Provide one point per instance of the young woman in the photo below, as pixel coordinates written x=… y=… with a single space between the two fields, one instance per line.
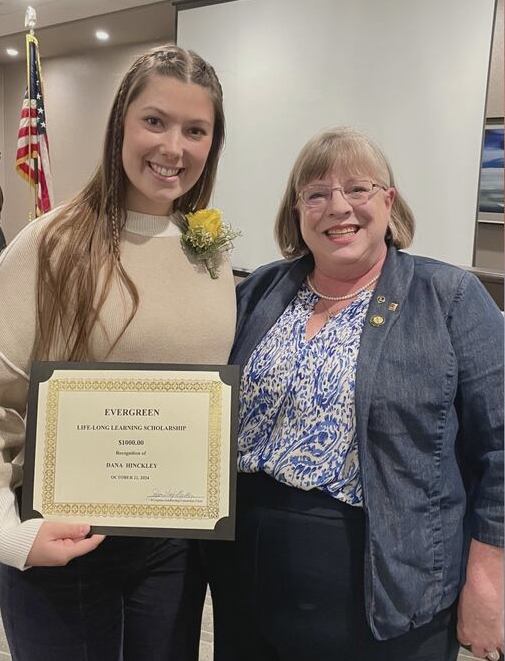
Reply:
x=105 y=278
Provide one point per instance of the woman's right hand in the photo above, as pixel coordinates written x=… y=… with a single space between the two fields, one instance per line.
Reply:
x=58 y=543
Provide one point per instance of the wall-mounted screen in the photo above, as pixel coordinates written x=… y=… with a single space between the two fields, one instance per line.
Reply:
x=412 y=75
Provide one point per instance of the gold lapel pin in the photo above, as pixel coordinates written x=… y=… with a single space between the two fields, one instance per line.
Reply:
x=377 y=320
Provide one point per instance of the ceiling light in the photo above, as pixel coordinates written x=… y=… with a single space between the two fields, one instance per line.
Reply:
x=12 y=52
x=102 y=35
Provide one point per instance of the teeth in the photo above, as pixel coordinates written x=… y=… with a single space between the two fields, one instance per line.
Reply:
x=347 y=230
x=164 y=172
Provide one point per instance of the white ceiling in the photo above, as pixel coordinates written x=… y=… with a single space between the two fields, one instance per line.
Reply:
x=52 y=12
x=68 y=26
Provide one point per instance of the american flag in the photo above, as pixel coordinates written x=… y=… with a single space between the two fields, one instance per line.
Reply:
x=32 y=156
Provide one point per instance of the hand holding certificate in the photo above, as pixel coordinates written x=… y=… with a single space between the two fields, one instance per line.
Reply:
x=133 y=450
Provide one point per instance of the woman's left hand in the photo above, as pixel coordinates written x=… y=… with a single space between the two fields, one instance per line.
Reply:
x=480 y=608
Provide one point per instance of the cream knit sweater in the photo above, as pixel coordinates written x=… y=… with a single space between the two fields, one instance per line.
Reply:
x=183 y=317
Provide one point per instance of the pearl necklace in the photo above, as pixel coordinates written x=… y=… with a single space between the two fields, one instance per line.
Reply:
x=346 y=296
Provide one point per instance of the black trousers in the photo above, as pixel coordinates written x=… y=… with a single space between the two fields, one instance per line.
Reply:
x=291 y=587
x=132 y=599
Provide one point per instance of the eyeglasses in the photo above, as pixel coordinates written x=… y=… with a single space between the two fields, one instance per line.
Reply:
x=318 y=196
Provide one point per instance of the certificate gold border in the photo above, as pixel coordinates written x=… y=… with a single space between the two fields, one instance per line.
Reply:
x=209 y=511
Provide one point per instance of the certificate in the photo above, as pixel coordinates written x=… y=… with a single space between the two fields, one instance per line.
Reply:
x=145 y=450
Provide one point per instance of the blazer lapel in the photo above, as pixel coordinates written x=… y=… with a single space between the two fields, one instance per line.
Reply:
x=384 y=311
x=269 y=308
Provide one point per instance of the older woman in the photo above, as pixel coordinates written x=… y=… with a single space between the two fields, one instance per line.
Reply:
x=370 y=443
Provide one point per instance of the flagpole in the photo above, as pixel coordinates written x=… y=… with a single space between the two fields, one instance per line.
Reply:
x=31 y=22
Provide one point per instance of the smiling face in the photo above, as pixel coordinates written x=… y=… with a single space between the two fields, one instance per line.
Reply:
x=168 y=132
x=345 y=240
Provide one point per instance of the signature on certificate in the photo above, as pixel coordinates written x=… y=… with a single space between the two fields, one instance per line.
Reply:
x=169 y=495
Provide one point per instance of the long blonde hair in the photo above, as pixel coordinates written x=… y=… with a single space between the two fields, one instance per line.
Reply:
x=82 y=241
x=348 y=151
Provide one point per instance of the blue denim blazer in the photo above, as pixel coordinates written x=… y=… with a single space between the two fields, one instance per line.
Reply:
x=429 y=417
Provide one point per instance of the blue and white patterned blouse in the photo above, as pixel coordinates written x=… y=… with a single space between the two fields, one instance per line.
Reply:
x=297 y=416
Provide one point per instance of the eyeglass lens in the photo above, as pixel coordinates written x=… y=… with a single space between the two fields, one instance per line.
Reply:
x=354 y=191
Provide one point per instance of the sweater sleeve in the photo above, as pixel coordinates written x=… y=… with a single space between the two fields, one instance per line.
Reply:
x=18 y=291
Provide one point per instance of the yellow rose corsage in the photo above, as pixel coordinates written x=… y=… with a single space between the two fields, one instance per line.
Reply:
x=206 y=237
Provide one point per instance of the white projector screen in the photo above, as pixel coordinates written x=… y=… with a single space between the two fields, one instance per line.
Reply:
x=411 y=74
